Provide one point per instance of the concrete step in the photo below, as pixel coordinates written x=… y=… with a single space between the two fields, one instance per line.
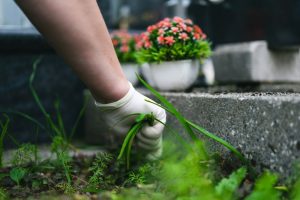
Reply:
x=255 y=62
x=264 y=126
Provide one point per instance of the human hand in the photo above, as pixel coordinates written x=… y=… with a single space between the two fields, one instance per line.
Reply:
x=119 y=116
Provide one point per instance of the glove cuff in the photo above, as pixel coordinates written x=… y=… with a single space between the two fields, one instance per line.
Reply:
x=119 y=103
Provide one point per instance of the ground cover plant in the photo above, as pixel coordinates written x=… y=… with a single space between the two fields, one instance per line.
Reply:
x=187 y=169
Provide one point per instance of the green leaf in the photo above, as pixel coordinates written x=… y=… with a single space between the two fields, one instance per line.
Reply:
x=264 y=188
x=227 y=187
x=17 y=174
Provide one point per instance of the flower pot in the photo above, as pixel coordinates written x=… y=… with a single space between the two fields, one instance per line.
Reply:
x=174 y=75
x=130 y=70
x=146 y=71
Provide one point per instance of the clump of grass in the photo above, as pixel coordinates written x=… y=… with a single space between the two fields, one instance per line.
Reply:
x=4 y=129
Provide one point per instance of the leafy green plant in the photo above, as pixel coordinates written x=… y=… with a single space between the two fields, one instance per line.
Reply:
x=227 y=187
x=17 y=174
x=4 y=127
x=172 y=39
x=264 y=188
x=295 y=194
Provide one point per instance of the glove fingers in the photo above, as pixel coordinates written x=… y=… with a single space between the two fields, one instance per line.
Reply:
x=152 y=132
x=147 y=141
x=154 y=155
x=152 y=146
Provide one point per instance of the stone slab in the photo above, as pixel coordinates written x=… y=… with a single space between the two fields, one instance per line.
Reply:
x=254 y=62
x=264 y=126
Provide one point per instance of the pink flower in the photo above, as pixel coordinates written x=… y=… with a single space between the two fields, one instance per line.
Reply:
x=196 y=36
x=183 y=36
x=115 y=42
x=188 y=21
x=161 y=39
x=151 y=28
x=189 y=29
x=164 y=24
x=175 y=29
x=178 y=19
x=124 y=48
x=147 y=44
x=197 y=29
x=182 y=26
x=161 y=31
x=169 y=40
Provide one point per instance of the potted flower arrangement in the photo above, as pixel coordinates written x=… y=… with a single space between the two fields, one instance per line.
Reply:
x=173 y=48
x=125 y=45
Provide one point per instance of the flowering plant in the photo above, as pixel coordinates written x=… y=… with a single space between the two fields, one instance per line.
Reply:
x=125 y=45
x=173 y=39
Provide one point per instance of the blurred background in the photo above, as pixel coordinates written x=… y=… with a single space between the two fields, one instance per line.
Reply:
x=224 y=21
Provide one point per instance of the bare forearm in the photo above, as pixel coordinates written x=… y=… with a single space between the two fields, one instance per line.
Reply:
x=76 y=29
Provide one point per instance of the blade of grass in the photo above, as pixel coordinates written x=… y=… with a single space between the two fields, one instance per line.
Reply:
x=60 y=122
x=80 y=115
x=4 y=129
x=25 y=116
x=37 y=99
x=217 y=139
x=170 y=107
x=129 y=145
x=127 y=139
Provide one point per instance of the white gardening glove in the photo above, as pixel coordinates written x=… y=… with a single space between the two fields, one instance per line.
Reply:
x=116 y=116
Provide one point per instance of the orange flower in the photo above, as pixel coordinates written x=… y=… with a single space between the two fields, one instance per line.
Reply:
x=189 y=29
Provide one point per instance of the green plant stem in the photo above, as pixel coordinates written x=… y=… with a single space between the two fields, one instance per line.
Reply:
x=4 y=128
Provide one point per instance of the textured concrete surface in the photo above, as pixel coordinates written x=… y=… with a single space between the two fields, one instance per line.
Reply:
x=254 y=62
x=265 y=127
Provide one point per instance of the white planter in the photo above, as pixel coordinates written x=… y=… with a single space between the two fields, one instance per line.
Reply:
x=130 y=70
x=146 y=71
x=174 y=75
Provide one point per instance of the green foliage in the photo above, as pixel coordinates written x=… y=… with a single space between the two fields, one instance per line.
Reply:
x=179 y=51
x=295 y=194
x=98 y=169
x=140 y=176
x=26 y=153
x=17 y=174
x=264 y=188
x=3 y=132
x=227 y=187
x=3 y=195
x=173 y=39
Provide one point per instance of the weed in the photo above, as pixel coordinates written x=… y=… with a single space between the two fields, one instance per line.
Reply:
x=98 y=169
x=140 y=176
x=4 y=127
x=26 y=153
x=17 y=174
